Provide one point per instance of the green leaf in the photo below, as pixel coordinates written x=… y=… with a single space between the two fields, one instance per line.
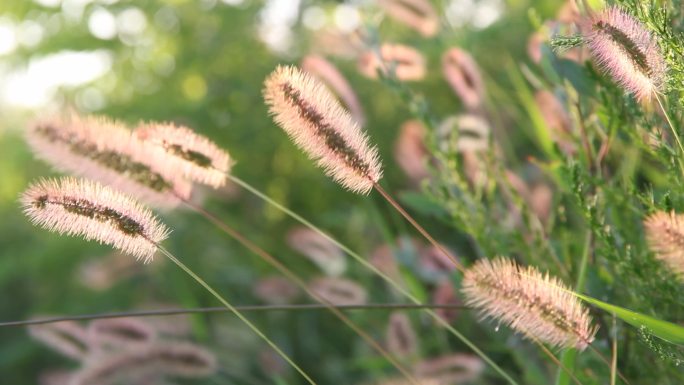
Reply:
x=664 y=330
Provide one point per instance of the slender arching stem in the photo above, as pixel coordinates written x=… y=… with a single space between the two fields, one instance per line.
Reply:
x=674 y=132
x=299 y=282
x=239 y=314
x=418 y=227
x=441 y=321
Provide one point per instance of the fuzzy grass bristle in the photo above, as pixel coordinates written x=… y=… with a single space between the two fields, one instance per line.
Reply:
x=67 y=337
x=463 y=75
x=175 y=359
x=96 y=212
x=665 y=236
x=195 y=156
x=404 y=62
x=106 y=151
x=324 y=70
x=318 y=124
x=417 y=14
x=625 y=49
x=339 y=291
x=537 y=305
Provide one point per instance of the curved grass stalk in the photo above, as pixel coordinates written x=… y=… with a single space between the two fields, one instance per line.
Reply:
x=375 y=270
x=239 y=314
x=302 y=285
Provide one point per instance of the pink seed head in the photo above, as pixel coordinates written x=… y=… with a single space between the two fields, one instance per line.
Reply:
x=106 y=151
x=665 y=236
x=417 y=14
x=317 y=123
x=339 y=291
x=537 y=305
x=463 y=75
x=326 y=72
x=83 y=208
x=180 y=149
x=405 y=62
x=400 y=336
x=623 y=47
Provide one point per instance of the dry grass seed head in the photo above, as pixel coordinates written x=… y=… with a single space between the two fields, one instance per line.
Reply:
x=326 y=72
x=400 y=336
x=84 y=208
x=181 y=149
x=106 y=151
x=67 y=337
x=410 y=151
x=665 y=236
x=538 y=306
x=463 y=75
x=320 y=250
x=175 y=359
x=116 y=333
x=339 y=291
x=275 y=290
x=405 y=62
x=317 y=123
x=451 y=369
x=623 y=47
x=417 y=14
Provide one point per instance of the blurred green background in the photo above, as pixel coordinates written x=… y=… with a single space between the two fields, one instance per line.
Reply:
x=202 y=63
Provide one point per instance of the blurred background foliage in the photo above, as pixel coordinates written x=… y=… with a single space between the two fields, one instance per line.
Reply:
x=201 y=63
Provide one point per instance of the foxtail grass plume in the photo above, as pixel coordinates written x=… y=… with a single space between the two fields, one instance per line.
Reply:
x=625 y=49
x=405 y=62
x=177 y=359
x=665 y=235
x=538 y=306
x=445 y=294
x=318 y=124
x=417 y=14
x=105 y=150
x=275 y=290
x=83 y=208
x=183 y=150
x=456 y=368
x=120 y=332
x=400 y=336
x=463 y=133
x=327 y=73
x=339 y=291
x=67 y=337
x=320 y=250
x=463 y=75
x=410 y=151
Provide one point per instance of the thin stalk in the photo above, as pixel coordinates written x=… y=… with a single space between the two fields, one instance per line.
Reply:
x=569 y=355
x=375 y=270
x=302 y=285
x=242 y=308
x=674 y=132
x=613 y=361
x=418 y=227
x=235 y=311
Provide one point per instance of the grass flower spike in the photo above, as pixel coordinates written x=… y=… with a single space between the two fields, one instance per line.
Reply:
x=88 y=209
x=318 y=124
x=625 y=49
x=665 y=235
x=104 y=150
x=536 y=305
x=404 y=62
x=327 y=73
x=196 y=157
